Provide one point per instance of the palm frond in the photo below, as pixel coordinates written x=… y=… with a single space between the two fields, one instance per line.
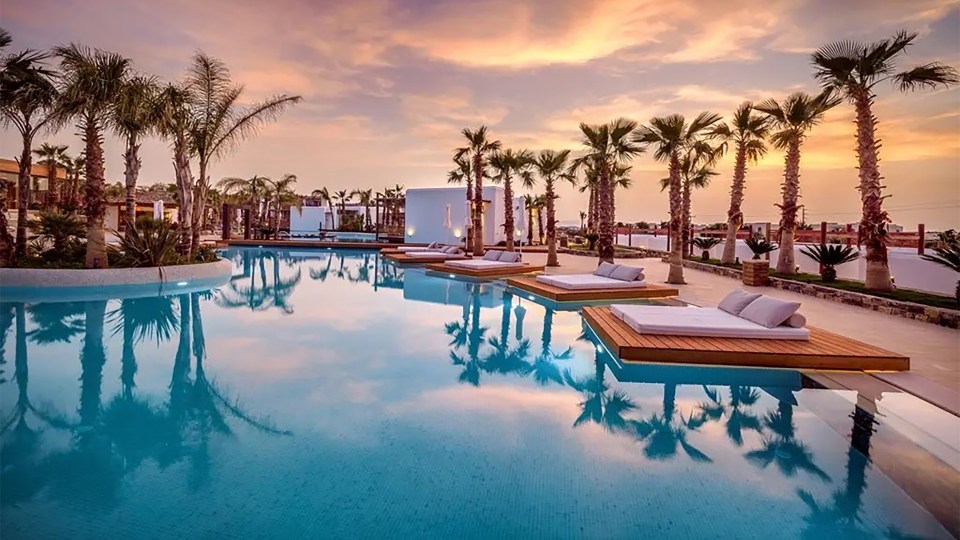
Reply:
x=926 y=76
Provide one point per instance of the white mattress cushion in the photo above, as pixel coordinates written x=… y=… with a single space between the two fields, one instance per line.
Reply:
x=699 y=322
x=480 y=263
x=435 y=254
x=589 y=281
x=627 y=273
x=411 y=249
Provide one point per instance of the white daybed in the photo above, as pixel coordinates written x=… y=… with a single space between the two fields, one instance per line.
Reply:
x=588 y=281
x=699 y=322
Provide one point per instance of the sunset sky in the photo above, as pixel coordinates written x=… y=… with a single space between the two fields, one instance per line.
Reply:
x=389 y=84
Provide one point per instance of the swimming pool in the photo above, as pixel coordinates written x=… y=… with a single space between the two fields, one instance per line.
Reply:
x=327 y=393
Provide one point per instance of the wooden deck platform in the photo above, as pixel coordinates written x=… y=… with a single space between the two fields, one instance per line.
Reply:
x=824 y=350
x=560 y=294
x=309 y=244
x=486 y=272
x=403 y=258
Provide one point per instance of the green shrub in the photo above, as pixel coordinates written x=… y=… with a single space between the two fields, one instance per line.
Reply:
x=58 y=228
x=830 y=256
x=759 y=246
x=706 y=243
x=148 y=243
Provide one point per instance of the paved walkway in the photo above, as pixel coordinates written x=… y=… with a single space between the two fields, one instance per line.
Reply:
x=934 y=351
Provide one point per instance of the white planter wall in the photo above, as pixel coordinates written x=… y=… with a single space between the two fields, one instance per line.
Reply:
x=907 y=268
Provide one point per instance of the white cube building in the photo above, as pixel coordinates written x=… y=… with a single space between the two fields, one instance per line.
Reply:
x=442 y=215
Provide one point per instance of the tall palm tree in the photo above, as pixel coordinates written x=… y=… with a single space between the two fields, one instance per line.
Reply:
x=530 y=203
x=854 y=69
x=747 y=132
x=591 y=179
x=539 y=203
x=583 y=217
x=608 y=147
x=133 y=117
x=53 y=156
x=221 y=123
x=552 y=166
x=70 y=197
x=696 y=168
x=342 y=197
x=478 y=148
x=175 y=123
x=254 y=189
x=505 y=164
x=463 y=174
x=671 y=137
x=282 y=191
x=792 y=119
x=365 y=198
x=92 y=81
x=27 y=102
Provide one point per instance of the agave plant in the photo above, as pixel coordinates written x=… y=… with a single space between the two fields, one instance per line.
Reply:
x=149 y=243
x=830 y=256
x=760 y=246
x=706 y=243
x=947 y=253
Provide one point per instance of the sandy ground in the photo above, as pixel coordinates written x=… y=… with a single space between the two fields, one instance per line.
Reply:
x=934 y=350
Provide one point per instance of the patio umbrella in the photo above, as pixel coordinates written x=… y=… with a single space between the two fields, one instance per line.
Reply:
x=518 y=211
x=158 y=210
x=447 y=220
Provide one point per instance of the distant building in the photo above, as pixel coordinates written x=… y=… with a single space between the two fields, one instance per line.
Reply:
x=10 y=171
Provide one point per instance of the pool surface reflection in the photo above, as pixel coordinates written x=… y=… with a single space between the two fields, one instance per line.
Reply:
x=326 y=393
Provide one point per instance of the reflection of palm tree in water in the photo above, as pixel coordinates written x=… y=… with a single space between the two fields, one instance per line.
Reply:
x=736 y=412
x=321 y=275
x=473 y=335
x=781 y=446
x=666 y=431
x=600 y=406
x=22 y=475
x=841 y=517
x=504 y=359
x=274 y=292
x=56 y=322
x=544 y=368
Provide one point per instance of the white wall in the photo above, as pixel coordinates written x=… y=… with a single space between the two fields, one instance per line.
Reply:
x=907 y=268
x=425 y=212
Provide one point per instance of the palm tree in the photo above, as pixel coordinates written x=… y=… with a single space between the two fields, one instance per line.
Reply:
x=672 y=136
x=696 y=168
x=221 y=124
x=365 y=198
x=530 y=203
x=175 y=123
x=478 y=148
x=583 y=216
x=506 y=164
x=747 y=132
x=92 y=81
x=947 y=254
x=342 y=197
x=282 y=192
x=552 y=166
x=590 y=180
x=70 y=198
x=134 y=117
x=463 y=174
x=792 y=119
x=608 y=147
x=54 y=157
x=854 y=69
x=254 y=189
x=539 y=203
x=27 y=101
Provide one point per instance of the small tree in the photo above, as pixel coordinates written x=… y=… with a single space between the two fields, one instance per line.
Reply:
x=760 y=246
x=706 y=243
x=830 y=256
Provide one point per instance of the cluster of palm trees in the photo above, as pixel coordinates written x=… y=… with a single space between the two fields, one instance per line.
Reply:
x=263 y=196
x=200 y=116
x=390 y=200
x=691 y=148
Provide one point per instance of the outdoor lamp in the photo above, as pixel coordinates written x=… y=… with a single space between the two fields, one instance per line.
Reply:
x=457 y=233
x=409 y=231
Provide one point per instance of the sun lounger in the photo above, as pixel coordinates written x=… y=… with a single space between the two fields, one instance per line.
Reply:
x=588 y=281
x=480 y=264
x=699 y=322
x=434 y=255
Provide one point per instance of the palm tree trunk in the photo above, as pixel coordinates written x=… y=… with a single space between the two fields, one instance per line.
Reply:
x=592 y=211
x=734 y=214
x=605 y=210
x=675 y=275
x=199 y=205
x=53 y=192
x=181 y=165
x=478 y=205
x=92 y=359
x=508 y=222
x=685 y=217
x=96 y=256
x=788 y=209
x=540 y=223
x=530 y=224
x=23 y=195
x=6 y=241
x=131 y=171
x=872 y=230
x=552 y=259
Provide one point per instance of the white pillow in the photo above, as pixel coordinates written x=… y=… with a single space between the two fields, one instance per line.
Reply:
x=738 y=299
x=626 y=273
x=605 y=269
x=492 y=255
x=432 y=245
x=509 y=257
x=796 y=321
x=768 y=311
x=451 y=250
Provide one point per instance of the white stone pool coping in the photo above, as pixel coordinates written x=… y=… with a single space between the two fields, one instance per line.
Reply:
x=54 y=278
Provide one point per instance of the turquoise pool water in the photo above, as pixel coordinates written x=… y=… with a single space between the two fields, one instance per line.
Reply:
x=331 y=394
